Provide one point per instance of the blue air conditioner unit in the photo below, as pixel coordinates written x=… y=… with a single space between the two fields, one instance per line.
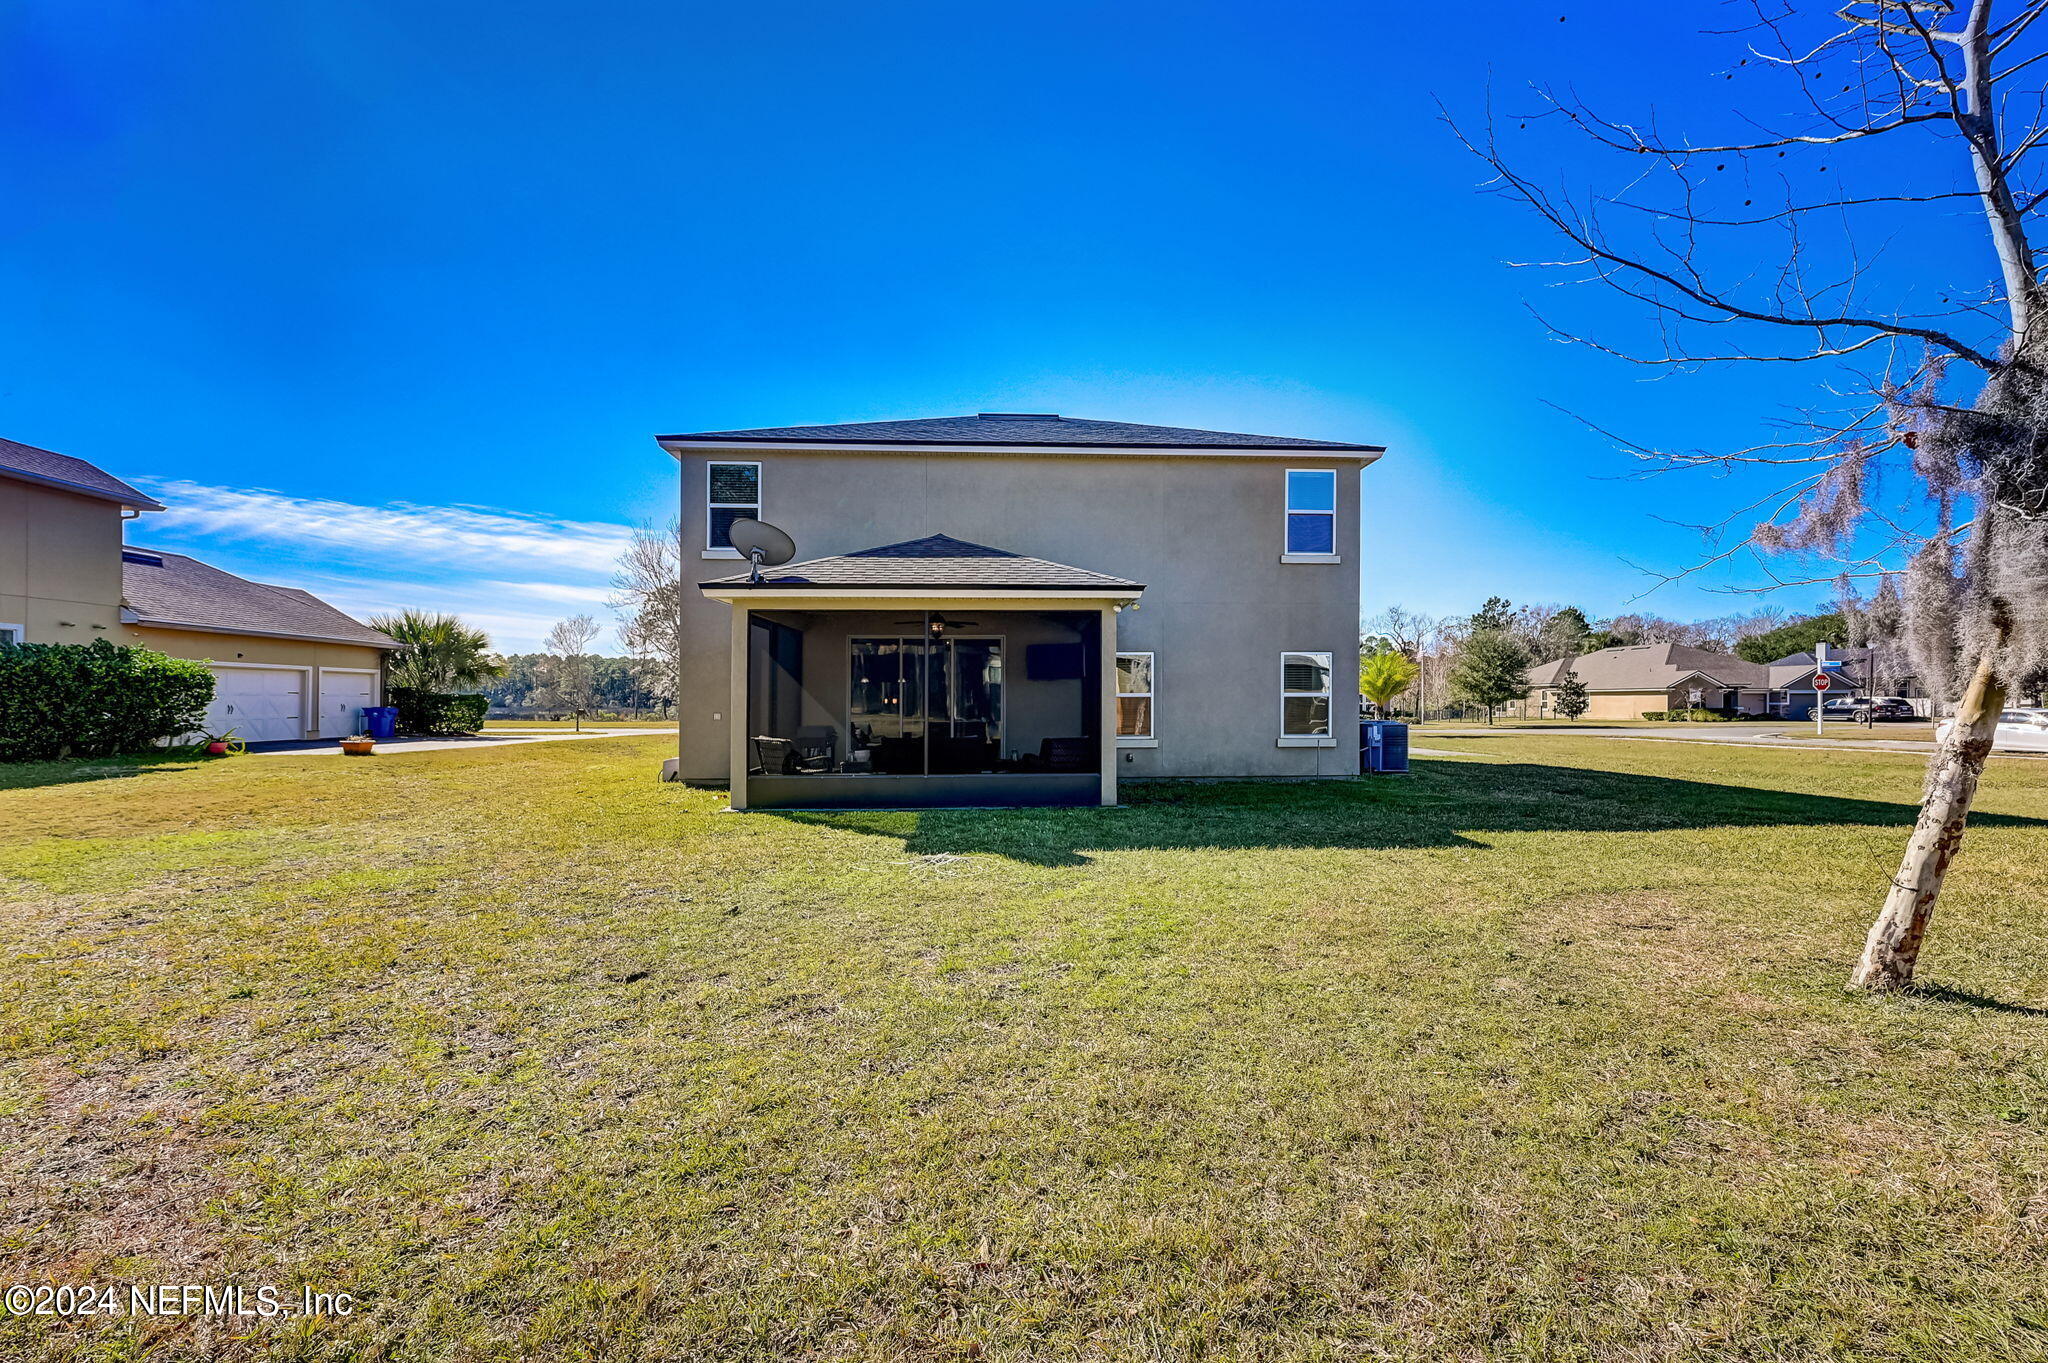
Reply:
x=1383 y=747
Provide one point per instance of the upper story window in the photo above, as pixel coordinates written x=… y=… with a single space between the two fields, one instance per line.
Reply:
x=732 y=491
x=1311 y=516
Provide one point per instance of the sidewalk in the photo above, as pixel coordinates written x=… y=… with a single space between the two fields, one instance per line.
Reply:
x=331 y=747
x=1744 y=736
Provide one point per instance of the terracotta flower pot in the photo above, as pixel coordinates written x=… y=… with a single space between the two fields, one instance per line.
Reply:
x=216 y=748
x=358 y=747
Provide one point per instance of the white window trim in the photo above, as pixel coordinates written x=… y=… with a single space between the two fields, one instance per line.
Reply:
x=20 y=631
x=760 y=501
x=1287 y=509
x=1150 y=740
x=1328 y=693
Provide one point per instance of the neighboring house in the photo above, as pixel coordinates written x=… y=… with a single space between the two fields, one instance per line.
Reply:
x=1631 y=681
x=1014 y=608
x=1792 y=693
x=286 y=664
x=60 y=546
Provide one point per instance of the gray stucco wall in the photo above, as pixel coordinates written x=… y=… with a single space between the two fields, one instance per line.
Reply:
x=1203 y=533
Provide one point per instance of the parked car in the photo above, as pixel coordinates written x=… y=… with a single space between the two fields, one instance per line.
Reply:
x=1863 y=709
x=2017 y=731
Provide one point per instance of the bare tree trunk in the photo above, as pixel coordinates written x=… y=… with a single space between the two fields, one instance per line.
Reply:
x=1893 y=947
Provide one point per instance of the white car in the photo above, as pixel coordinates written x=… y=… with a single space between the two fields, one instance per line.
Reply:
x=2017 y=731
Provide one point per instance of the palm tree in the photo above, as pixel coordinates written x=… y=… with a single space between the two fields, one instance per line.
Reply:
x=437 y=652
x=1385 y=675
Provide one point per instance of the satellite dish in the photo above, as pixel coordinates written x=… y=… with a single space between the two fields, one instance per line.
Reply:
x=763 y=544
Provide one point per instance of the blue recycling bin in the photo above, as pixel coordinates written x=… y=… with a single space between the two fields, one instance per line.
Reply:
x=380 y=721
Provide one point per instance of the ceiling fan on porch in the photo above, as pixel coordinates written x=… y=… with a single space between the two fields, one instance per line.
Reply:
x=940 y=624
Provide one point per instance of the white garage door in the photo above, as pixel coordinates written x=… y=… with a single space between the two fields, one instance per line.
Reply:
x=262 y=704
x=342 y=698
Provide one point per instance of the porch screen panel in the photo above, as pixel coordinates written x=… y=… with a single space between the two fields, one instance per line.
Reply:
x=927 y=706
x=977 y=688
x=888 y=688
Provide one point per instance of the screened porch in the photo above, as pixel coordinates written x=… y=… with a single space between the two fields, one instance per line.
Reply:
x=923 y=707
x=927 y=673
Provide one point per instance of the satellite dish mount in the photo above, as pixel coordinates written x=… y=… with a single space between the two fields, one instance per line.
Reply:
x=764 y=545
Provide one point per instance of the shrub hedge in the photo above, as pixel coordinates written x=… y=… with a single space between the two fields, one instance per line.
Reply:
x=95 y=700
x=1693 y=716
x=437 y=712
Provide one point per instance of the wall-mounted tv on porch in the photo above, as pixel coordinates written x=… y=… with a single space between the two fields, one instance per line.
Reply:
x=1052 y=662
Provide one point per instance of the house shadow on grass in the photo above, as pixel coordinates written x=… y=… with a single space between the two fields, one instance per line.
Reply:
x=1441 y=804
x=28 y=775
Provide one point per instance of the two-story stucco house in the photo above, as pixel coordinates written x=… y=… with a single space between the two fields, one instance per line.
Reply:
x=286 y=665
x=1016 y=608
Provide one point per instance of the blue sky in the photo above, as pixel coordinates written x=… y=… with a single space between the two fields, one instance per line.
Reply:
x=387 y=299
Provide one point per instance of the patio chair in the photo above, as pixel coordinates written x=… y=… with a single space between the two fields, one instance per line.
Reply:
x=779 y=757
x=818 y=743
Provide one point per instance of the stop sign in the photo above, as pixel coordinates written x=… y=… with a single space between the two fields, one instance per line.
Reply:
x=1821 y=682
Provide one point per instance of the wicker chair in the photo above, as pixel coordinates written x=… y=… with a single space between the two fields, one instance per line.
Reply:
x=779 y=757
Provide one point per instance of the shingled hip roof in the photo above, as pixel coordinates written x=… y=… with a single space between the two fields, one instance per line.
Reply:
x=936 y=561
x=51 y=469
x=1794 y=671
x=1652 y=667
x=1018 y=429
x=172 y=591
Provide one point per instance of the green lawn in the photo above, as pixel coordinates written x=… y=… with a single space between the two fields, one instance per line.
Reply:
x=1920 y=731
x=1552 y=722
x=1537 y=1055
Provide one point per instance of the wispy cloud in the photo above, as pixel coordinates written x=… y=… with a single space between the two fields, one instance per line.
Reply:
x=556 y=591
x=517 y=615
x=455 y=535
x=510 y=573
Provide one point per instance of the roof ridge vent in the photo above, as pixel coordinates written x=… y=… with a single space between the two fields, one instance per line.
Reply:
x=1019 y=416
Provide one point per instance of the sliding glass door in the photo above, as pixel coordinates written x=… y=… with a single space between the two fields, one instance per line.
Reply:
x=923 y=706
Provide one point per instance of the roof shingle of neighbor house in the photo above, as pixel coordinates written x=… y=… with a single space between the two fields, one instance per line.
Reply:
x=1021 y=428
x=74 y=475
x=934 y=561
x=1794 y=671
x=1652 y=667
x=170 y=590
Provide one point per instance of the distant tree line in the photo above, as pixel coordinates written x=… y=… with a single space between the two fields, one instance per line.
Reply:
x=586 y=681
x=1479 y=661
